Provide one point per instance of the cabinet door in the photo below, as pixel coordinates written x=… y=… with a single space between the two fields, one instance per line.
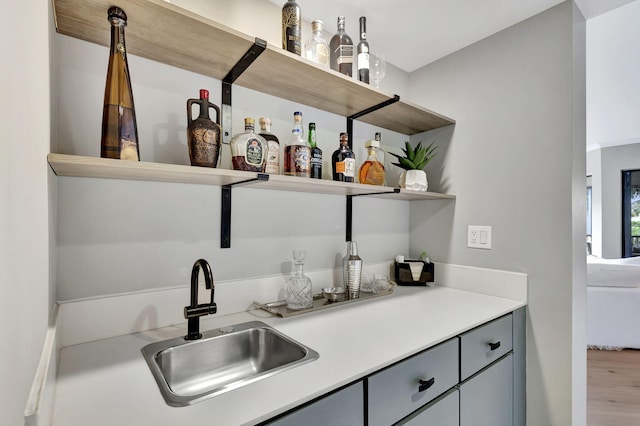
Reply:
x=342 y=408
x=487 y=399
x=444 y=411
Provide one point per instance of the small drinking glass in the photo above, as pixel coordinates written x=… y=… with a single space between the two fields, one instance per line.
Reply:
x=378 y=65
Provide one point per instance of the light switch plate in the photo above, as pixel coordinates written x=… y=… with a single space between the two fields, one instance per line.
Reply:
x=479 y=237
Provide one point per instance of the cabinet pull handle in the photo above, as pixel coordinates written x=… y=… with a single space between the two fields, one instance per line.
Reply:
x=426 y=384
x=494 y=346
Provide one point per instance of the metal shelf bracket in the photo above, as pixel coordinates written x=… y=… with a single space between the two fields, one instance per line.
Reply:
x=225 y=208
x=349 y=215
x=352 y=117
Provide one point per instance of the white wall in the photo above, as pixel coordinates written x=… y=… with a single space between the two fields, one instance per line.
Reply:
x=606 y=166
x=613 y=81
x=516 y=153
x=119 y=236
x=24 y=211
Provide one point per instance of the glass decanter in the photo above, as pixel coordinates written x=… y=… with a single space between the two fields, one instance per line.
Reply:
x=299 y=292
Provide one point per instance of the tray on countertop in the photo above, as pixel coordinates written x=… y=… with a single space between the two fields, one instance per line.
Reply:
x=279 y=308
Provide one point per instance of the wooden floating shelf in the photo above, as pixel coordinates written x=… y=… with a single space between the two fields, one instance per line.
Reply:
x=105 y=168
x=165 y=33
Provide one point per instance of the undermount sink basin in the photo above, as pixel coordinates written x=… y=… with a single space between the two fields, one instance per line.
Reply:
x=188 y=371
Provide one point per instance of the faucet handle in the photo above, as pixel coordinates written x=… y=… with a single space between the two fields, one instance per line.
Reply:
x=200 y=310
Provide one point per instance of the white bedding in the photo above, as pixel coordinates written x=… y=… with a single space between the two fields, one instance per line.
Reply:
x=613 y=317
x=613 y=272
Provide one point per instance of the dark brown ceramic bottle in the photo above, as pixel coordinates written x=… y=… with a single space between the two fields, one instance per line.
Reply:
x=203 y=135
x=119 y=128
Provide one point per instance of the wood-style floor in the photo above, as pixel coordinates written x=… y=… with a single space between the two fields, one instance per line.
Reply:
x=613 y=388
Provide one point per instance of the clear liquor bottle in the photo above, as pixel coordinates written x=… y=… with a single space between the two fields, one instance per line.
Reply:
x=317 y=48
x=372 y=170
x=291 y=17
x=299 y=289
x=248 y=150
x=341 y=50
x=316 y=153
x=119 y=129
x=343 y=161
x=352 y=270
x=363 y=52
x=273 y=152
x=297 y=152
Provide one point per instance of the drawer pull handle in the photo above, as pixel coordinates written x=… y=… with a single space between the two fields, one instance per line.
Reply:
x=426 y=384
x=494 y=346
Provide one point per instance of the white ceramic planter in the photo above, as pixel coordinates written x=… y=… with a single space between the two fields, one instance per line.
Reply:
x=415 y=180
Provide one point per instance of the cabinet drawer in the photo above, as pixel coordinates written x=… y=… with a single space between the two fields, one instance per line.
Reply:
x=342 y=408
x=444 y=411
x=485 y=344
x=401 y=389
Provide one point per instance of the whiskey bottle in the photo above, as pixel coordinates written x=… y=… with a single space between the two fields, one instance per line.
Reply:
x=363 y=52
x=317 y=48
x=316 y=153
x=341 y=50
x=343 y=161
x=291 y=17
x=273 y=144
x=119 y=129
x=372 y=170
x=297 y=152
x=248 y=150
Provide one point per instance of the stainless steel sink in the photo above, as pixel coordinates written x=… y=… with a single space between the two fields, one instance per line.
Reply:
x=188 y=371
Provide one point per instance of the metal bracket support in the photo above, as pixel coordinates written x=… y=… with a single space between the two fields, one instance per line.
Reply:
x=251 y=55
x=352 y=117
x=349 y=214
x=225 y=208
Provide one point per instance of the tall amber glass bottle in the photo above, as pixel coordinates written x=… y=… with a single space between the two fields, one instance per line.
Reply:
x=119 y=129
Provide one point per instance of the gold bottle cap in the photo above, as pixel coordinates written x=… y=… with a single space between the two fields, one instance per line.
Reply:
x=249 y=120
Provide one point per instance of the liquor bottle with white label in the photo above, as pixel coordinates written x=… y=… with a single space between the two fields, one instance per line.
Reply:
x=317 y=48
x=248 y=150
x=273 y=154
x=343 y=161
x=363 y=52
x=297 y=152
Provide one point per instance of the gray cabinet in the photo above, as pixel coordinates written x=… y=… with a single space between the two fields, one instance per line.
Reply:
x=399 y=390
x=342 y=408
x=487 y=398
x=474 y=379
x=444 y=411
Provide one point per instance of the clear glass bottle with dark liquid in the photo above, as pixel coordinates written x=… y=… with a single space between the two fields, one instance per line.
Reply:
x=297 y=152
x=119 y=128
x=248 y=150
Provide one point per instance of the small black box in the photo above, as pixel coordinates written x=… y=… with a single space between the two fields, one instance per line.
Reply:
x=404 y=277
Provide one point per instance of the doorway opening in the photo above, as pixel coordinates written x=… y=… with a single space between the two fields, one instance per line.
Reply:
x=630 y=213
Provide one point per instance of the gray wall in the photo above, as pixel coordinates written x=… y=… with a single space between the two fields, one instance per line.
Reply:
x=24 y=210
x=516 y=153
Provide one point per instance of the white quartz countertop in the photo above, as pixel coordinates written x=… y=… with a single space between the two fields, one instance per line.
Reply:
x=108 y=382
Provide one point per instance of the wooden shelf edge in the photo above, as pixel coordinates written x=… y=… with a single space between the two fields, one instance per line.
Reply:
x=105 y=168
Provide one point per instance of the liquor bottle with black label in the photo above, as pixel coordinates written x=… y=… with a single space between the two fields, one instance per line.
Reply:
x=363 y=52
x=119 y=128
x=343 y=161
x=297 y=152
x=291 y=17
x=273 y=154
x=316 y=153
x=341 y=50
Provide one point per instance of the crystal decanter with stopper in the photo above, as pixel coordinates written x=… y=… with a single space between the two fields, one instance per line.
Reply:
x=299 y=292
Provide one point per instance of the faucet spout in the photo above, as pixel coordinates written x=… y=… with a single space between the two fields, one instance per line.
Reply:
x=194 y=311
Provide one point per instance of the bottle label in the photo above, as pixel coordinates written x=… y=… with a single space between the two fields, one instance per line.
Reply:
x=254 y=155
x=322 y=54
x=273 y=158
x=363 y=61
x=297 y=160
x=349 y=167
x=345 y=54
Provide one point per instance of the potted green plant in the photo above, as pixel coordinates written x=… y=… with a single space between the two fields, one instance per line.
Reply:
x=413 y=162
